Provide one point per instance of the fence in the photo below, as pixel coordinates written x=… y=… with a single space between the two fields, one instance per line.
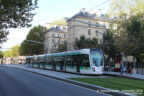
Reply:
x=140 y=68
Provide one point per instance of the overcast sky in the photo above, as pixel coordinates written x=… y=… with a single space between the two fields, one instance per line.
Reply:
x=50 y=10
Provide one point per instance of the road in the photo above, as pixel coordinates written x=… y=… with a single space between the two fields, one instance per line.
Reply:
x=16 y=82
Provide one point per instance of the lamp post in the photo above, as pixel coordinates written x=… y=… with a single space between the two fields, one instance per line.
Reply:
x=44 y=43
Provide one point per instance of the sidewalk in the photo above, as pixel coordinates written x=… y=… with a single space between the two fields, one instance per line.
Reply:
x=69 y=75
x=135 y=76
x=47 y=72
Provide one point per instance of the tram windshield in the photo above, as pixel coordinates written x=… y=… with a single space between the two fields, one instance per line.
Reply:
x=96 y=58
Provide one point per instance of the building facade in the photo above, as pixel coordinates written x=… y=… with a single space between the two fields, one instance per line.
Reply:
x=86 y=24
x=53 y=37
x=14 y=60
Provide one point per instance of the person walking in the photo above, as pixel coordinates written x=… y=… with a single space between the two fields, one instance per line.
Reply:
x=121 y=66
x=129 y=68
x=132 y=67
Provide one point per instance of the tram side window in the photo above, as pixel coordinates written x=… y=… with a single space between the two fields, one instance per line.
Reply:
x=101 y=62
x=27 y=61
x=60 y=60
x=35 y=60
x=48 y=59
x=85 y=62
x=57 y=60
x=76 y=60
x=69 y=60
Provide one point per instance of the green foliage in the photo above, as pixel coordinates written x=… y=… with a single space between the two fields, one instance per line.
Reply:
x=110 y=45
x=16 y=13
x=3 y=35
x=14 y=51
x=130 y=35
x=31 y=48
x=62 y=47
x=58 y=22
x=126 y=6
x=83 y=42
x=1 y=54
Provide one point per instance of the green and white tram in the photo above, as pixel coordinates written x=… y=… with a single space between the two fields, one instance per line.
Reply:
x=85 y=61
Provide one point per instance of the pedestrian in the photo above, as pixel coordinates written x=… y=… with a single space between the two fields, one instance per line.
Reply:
x=132 y=67
x=121 y=66
x=106 y=67
x=129 y=67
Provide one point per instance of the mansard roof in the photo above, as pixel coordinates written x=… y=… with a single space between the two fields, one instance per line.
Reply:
x=57 y=28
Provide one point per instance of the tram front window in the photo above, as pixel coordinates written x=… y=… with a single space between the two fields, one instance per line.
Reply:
x=96 y=58
x=96 y=62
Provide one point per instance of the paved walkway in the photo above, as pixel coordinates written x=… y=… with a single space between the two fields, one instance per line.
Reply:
x=136 y=76
x=48 y=72
x=69 y=75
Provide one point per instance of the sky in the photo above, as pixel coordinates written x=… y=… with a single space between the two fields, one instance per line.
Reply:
x=51 y=10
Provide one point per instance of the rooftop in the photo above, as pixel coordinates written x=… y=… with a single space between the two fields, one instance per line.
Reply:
x=57 y=28
x=100 y=16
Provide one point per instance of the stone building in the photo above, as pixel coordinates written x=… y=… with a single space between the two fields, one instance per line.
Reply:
x=53 y=37
x=87 y=24
x=14 y=60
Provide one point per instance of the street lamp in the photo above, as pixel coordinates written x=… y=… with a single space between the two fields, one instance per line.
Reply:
x=44 y=43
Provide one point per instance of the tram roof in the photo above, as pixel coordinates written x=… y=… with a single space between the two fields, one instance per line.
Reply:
x=74 y=52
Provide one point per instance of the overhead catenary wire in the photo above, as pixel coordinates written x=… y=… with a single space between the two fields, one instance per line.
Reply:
x=98 y=5
x=91 y=10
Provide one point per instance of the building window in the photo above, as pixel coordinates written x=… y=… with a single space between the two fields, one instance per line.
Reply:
x=58 y=41
x=64 y=35
x=104 y=24
x=53 y=41
x=53 y=35
x=96 y=32
x=53 y=47
x=89 y=31
x=89 y=23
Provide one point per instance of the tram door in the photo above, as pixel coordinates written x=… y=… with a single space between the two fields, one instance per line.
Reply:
x=53 y=63
x=78 y=63
x=78 y=68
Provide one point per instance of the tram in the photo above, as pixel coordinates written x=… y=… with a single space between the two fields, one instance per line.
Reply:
x=84 y=61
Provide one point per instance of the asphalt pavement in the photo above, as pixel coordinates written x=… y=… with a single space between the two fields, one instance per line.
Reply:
x=16 y=82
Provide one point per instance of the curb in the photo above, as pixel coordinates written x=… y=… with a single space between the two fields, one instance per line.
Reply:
x=107 y=74
x=86 y=85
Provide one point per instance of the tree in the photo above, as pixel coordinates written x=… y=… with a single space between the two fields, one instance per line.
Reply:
x=3 y=35
x=1 y=54
x=110 y=45
x=130 y=35
x=130 y=7
x=58 y=22
x=15 y=13
x=62 y=47
x=31 y=48
x=83 y=42
x=13 y=52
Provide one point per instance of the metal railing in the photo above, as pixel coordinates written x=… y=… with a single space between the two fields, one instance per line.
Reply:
x=140 y=68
